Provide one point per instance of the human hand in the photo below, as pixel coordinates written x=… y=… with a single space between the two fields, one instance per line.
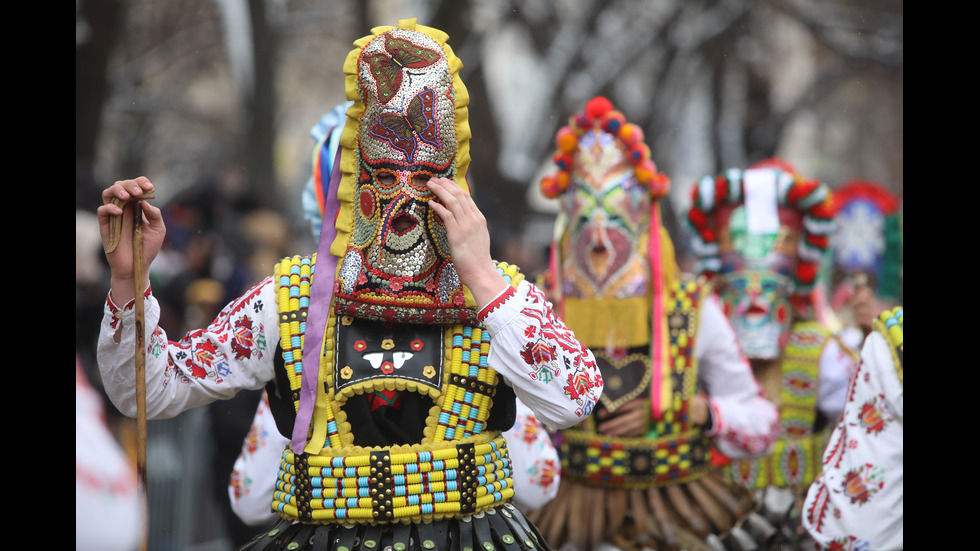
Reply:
x=864 y=307
x=700 y=410
x=469 y=239
x=629 y=420
x=154 y=230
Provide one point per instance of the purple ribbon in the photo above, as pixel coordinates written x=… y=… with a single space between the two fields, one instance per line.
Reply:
x=321 y=294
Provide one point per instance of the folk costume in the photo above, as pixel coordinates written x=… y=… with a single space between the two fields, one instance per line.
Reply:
x=393 y=385
x=857 y=502
x=760 y=235
x=660 y=339
x=534 y=458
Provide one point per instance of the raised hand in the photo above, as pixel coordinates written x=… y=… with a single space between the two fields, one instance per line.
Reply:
x=154 y=230
x=469 y=239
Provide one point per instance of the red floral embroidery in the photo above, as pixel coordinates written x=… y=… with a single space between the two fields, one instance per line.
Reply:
x=870 y=417
x=244 y=338
x=547 y=470
x=538 y=353
x=578 y=385
x=859 y=486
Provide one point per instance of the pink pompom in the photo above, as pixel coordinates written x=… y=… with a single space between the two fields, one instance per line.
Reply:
x=631 y=134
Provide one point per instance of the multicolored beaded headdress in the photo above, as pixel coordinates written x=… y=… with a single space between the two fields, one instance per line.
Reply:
x=866 y=248
x=408 y=124
x=761 y=233
x=609 y=276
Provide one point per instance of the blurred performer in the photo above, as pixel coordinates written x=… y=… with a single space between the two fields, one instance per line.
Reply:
x=857 y=502
x=637 y=472
x=392 y=357
x=108 y=506
x=866 y=254
x=760 y=235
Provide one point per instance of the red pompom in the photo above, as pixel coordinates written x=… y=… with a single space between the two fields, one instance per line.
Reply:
x=806 y=272
x=549 y=187
x=597 y=107
x=562 y=160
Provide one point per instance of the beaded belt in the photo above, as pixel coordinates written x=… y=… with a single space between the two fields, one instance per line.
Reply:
x=634 y=462
x=382 y=486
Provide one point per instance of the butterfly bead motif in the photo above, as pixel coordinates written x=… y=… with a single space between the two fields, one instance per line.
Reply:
x=389 y=66
x=403 y=132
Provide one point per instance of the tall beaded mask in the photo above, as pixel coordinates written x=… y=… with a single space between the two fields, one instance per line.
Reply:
x=605 y=182
x=761 y=233
x=607 y=185
x=408 y=124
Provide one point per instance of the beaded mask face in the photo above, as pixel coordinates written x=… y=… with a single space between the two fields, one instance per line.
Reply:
x=397 y=265
x=609 y=218
x=754 y=283
x=607 y=184
x=762 y=232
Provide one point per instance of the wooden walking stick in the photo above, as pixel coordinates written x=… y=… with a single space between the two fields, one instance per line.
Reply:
x=115 y=235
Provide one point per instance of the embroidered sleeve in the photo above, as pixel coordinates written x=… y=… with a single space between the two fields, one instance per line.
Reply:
x=536 y=466
x=857 y=500
x=234 y=352
x=549 y=369
x=744 y=423
x=835 y=369
x=496 y=303
x=254 y=476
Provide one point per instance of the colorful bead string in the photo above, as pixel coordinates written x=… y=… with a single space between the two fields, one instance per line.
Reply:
x=466 y=404
x=423 y=483
x=294 y=275
x=890 y=324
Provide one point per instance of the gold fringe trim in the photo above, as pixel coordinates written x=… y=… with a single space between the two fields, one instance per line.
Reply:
x=609 y=323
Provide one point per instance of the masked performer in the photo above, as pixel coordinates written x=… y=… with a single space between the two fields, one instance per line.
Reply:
x=866 y=257
x=534 y=459
x=760 y=235
x=637 y=472
x=392 y=357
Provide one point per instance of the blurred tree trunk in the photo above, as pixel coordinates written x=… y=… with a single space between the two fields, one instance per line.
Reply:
x=98 y=25
x=494 y=193
x=260 y=108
